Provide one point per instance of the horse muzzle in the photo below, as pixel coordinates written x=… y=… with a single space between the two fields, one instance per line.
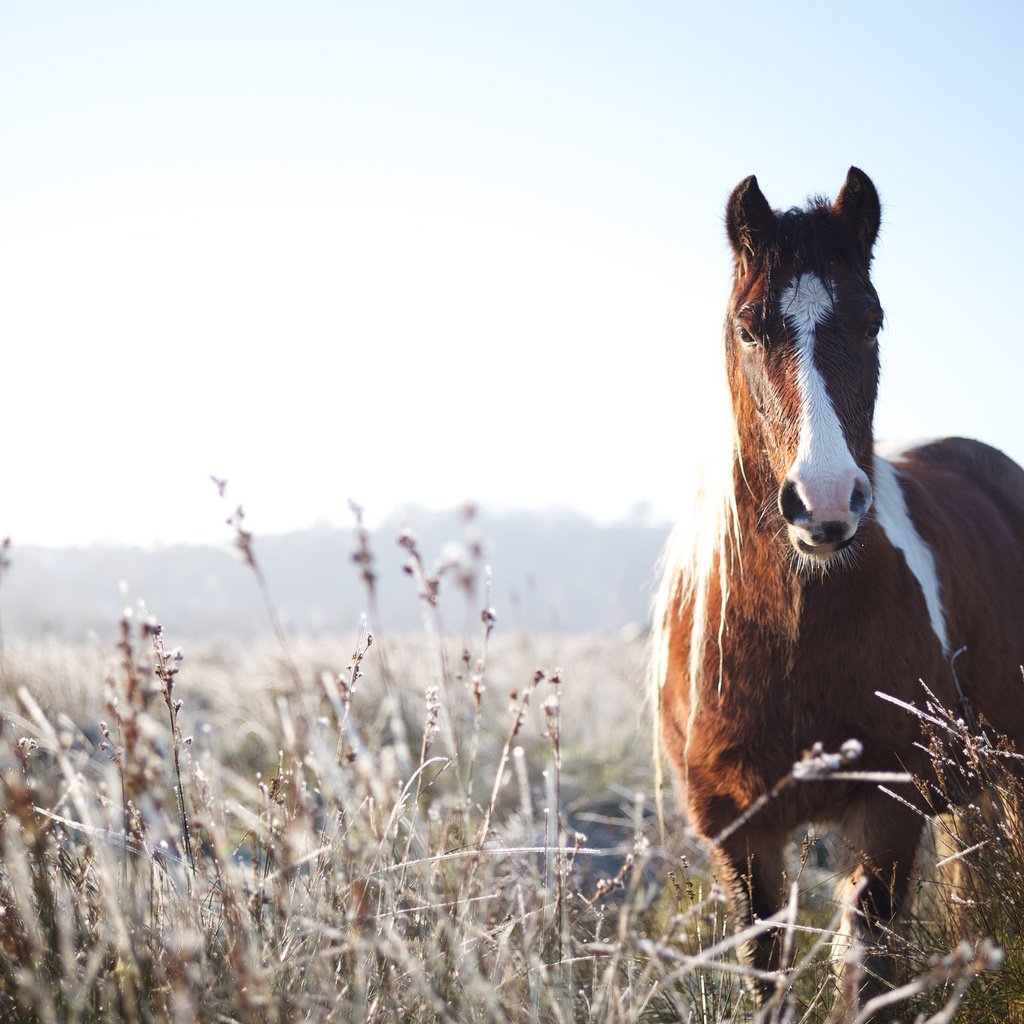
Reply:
x=822 y=515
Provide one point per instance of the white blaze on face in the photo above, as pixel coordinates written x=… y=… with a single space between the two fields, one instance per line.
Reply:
x=824 y=471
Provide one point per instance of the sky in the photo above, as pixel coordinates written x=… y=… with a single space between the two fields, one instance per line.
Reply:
x=414 y=254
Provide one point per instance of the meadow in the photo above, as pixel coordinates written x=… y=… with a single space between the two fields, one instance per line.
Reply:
x=458 y=825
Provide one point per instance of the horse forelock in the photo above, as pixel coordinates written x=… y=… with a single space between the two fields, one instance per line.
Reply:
x=804 y=240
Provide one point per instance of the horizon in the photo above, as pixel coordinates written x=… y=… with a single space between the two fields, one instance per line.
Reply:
x=411 y=516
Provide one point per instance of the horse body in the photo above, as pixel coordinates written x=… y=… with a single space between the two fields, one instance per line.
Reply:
x=833 y=573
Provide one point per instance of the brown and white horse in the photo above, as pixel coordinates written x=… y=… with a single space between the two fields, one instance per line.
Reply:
x=820 y=572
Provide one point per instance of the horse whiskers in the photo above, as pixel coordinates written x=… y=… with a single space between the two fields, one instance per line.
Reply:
x=770 y=506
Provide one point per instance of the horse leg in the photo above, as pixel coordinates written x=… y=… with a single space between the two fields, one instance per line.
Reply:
x=750 y=869
x=884 y=838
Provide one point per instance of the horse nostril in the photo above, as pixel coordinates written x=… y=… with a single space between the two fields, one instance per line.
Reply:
x=790 y=505
x=860 y=500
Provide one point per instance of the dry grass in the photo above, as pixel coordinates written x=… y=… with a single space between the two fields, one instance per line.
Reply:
x=440 y=828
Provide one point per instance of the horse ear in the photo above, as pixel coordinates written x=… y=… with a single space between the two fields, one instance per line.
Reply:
x=858 y=208
x=748 y=217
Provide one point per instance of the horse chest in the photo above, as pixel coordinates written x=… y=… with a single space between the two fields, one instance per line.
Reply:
x=778 y=698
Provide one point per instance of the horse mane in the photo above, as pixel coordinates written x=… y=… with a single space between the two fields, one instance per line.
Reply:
x=704 y=545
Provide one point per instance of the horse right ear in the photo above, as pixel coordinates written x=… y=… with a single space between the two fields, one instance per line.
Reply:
x=858 y=207
x=748 y=218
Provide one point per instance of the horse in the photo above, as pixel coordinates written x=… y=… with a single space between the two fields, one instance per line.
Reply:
x=818 y=571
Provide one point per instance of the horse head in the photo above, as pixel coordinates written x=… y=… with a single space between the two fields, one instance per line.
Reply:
x=802 y=356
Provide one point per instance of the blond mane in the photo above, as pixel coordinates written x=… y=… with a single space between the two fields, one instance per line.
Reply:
x=704 y=544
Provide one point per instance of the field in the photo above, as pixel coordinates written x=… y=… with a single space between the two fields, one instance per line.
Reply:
x=458 y=825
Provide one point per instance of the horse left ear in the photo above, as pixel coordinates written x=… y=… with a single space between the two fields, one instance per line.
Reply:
x=859 y=209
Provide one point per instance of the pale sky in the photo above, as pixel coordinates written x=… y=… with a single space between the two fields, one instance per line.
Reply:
x=418 y=253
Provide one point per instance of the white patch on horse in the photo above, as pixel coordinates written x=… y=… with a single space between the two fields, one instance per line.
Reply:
x=894 y=518
x=822 y=452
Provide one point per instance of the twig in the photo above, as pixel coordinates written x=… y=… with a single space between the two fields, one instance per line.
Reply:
x=166 y=670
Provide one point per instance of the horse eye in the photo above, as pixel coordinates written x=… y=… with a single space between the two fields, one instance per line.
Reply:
x=871 y=331
x=746 y=338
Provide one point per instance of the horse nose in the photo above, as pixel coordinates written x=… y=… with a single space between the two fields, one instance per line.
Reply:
x=830 y=507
